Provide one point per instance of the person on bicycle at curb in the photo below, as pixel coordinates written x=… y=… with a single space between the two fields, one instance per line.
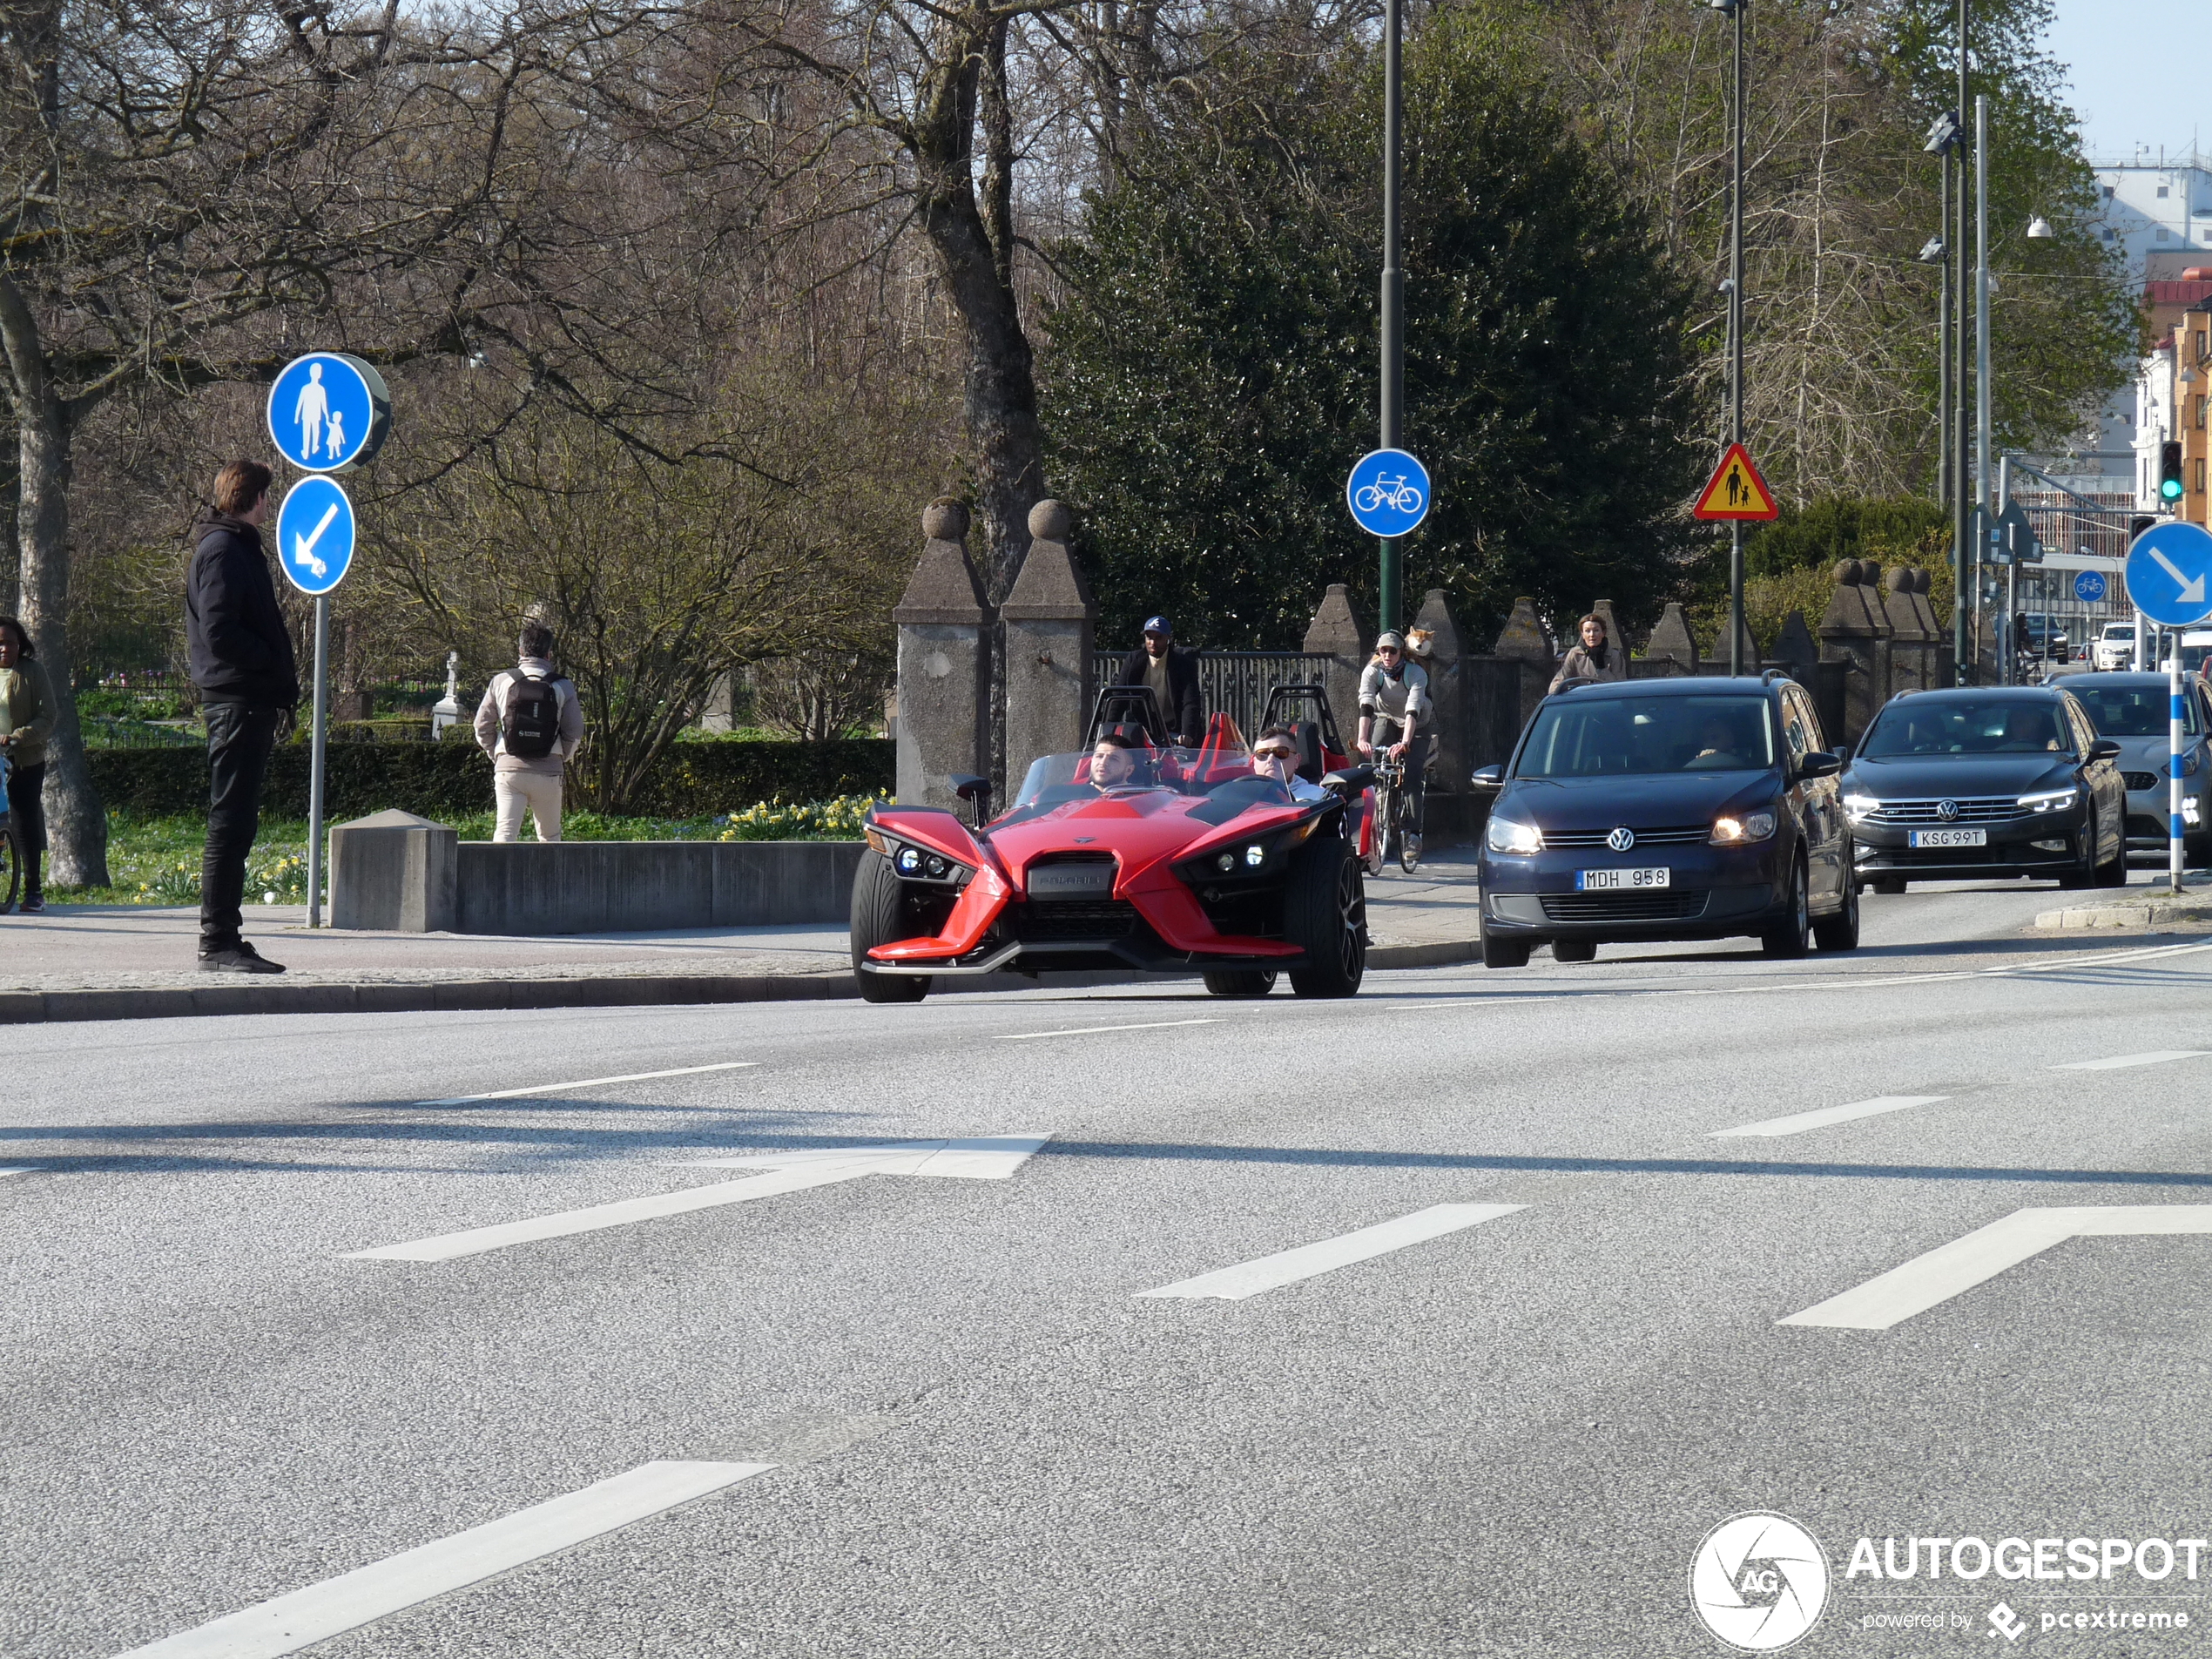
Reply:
x=1394 y=701
x=1594 y=658
x=1275 y=756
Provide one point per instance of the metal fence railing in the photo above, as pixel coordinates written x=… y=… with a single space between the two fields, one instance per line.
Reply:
x=1236 y=681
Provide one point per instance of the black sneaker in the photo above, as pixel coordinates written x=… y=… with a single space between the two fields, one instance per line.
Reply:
x=241 y=958
x=34 y=904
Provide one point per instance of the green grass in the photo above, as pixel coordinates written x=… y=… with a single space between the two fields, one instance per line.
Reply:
x=156 y=861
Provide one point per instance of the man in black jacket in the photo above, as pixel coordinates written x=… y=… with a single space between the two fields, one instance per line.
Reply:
x=1172 y=672
x=242 y=662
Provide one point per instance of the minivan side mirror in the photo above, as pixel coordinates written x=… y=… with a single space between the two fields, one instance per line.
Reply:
x=1819 y=763
x=2103 y=749
x=1489 y=778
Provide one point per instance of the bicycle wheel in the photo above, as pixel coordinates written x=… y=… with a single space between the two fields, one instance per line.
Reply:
x=11 y=867
x=1369 y=498
x=1409 y=500
x=1386 y=839
x=1409 y=836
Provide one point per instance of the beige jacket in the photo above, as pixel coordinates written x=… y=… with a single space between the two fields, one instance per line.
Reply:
x=26 y=711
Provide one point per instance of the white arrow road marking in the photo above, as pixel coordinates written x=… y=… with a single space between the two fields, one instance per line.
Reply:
x=1096 y=1031
x=303 y=549
x=1953 y=1269
x=304 y=1617
x=2119 y=1062
x=536 y=1090
x=1798 y=1123
x=2192 y=592
x=1309 y=1261
x=987 y=1158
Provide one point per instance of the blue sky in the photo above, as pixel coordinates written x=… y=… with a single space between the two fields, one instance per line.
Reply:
x=2138 y=74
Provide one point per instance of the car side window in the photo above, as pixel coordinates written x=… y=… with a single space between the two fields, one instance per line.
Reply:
x=2084 y=734
x=1793 y=726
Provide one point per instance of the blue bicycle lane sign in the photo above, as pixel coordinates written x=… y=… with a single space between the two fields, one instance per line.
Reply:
x=1388 y=493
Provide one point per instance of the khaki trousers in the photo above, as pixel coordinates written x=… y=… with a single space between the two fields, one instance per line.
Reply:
x=516 y=790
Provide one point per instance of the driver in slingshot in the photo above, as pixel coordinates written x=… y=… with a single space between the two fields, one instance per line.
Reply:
x=1119 y=762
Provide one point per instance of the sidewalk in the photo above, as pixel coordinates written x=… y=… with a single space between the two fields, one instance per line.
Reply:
x=129 y=962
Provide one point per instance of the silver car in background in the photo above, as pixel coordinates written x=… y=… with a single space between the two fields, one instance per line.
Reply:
x=2132 y=709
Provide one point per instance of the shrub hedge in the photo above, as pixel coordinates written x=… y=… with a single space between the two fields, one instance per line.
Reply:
x=691 y=780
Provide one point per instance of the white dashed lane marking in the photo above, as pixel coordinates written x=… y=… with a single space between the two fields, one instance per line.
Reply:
x=536 y=1090
x=1797 y=1123
x=1309 y=1261
x=322 y=1611
x=1099 y=1030
x=2121 y=1062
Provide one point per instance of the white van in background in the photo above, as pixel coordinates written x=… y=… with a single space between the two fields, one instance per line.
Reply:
x=2114 y=649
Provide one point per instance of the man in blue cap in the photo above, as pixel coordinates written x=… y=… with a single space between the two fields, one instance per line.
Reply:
x=1172 y=672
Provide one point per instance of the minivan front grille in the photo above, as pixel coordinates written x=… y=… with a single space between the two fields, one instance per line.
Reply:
x=1668 y=835
x=1649 y=904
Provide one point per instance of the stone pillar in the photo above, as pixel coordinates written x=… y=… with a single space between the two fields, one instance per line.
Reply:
x=1910 y=668
x=1522 y=640
x=1448 y=685
x=1049 y=621
x=1337 y=634
x=1850 y=635
x=944 y=665
x=1616 y=638
x=1672 y=640
x=1796 y=651
x=1718 y=663
x=1938 y=632
x=393 y=873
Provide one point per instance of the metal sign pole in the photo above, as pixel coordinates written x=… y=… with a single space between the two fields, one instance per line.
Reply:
x=2176 y=718
x=1389 y=602
x=314 y=774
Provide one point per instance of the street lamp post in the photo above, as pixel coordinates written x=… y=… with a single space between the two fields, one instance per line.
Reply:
x=1736 y=8
x=1393 y=293
x=1962 y=567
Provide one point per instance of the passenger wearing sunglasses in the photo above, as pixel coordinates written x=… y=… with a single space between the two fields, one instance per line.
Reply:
x=1275 y=756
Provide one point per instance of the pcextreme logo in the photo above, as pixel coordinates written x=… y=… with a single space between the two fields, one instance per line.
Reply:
x=1758 y=1581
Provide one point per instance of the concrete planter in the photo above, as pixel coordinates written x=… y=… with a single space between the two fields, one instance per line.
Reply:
x=405 y=874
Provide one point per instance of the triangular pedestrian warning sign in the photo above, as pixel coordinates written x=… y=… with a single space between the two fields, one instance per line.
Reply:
x=1736 y=490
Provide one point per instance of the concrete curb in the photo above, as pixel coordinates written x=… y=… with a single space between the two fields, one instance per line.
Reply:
x=515 y=996
x=2153 y=913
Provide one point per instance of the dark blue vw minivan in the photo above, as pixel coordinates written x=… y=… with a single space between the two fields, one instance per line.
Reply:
x=1642 y=810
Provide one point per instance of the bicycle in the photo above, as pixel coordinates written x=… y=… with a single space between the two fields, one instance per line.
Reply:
x=1400 y=496
x=1396 y=835
x=10 y=857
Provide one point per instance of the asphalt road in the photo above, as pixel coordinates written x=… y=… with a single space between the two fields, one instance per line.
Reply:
x=1509 y=1437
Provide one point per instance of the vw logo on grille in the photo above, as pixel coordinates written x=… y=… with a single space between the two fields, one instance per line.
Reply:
x=1947 y=810
x=1621 y=839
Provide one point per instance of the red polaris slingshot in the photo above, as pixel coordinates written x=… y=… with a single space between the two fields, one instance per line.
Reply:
x=1133 y=853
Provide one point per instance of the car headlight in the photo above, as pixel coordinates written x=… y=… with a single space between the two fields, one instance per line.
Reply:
x=917 y=863
x=1858 y=807
x=1744 y=827
x=1511 y=835
x=2049 y=800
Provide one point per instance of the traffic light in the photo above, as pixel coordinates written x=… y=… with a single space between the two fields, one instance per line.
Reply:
x=2169 y=472
x=2137 y=525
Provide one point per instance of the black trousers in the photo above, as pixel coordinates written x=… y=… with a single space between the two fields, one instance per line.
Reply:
x=26 y=805
x=239 y=737
x=1388 y=732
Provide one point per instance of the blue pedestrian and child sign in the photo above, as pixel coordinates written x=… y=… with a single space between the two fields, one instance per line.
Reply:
x=1388 y=493
x=328 y=413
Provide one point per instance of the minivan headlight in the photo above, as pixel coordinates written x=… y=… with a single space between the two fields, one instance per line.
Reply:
x=1744 y=827
x=2049 y=800
x=1511 y=835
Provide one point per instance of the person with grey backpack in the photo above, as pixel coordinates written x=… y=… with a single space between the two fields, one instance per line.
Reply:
x=529 y=723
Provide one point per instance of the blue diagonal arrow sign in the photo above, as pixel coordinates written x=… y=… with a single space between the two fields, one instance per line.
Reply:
x=2169 y=574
